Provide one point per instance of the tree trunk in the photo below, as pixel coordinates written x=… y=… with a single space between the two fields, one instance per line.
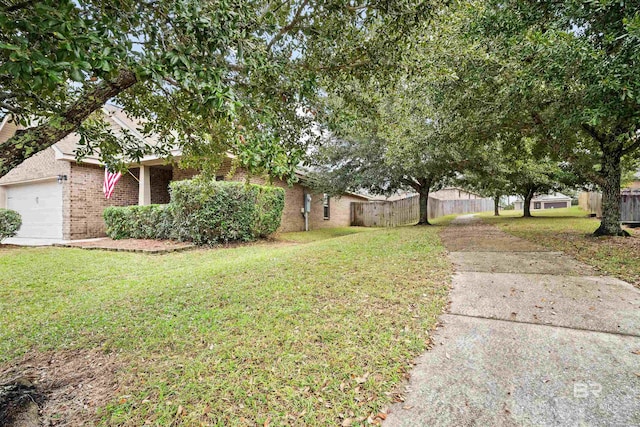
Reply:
x=424 y=211
x=496 y=206
x=611 y=171
x=527 y=203
x=27 y=142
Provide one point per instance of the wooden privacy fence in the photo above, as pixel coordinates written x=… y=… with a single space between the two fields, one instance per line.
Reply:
x=591 y=202
x=629 y=204
x=438 y=207
x=407 y=211
x=385 y=214
x=630 y=207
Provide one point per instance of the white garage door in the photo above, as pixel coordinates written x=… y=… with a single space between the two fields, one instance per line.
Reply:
x=40 y=205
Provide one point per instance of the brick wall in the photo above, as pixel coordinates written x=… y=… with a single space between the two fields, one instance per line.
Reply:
x=87 y=200
x=180 y=174
x=339 y=211
x=38 y=166
x=160 y=179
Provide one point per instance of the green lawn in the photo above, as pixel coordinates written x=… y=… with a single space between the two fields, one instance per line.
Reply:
x=307 y=334
x=570 y=230
x=325 y=233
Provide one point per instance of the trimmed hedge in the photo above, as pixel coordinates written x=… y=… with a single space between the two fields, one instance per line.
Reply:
x=10 y=222
x=202 y=211
x=139 y=222
x=207 y=211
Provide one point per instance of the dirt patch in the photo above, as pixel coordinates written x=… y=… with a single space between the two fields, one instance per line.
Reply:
x=7 y=247
x=132 y=245
x=57 y=388
x=161 y=246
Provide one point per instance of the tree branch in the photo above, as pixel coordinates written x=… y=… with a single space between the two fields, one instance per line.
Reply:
x=27 y=142
x=10 y=108
x=593 y=133
x=290 y=26
x=411 y=183
x=18 y=6
x=633 y=147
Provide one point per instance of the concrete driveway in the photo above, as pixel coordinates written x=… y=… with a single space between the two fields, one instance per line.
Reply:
x=532 y=338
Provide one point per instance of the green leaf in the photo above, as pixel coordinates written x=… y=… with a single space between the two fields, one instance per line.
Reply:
x=76 y=75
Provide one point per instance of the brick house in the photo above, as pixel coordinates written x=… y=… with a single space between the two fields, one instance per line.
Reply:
x=61 y=199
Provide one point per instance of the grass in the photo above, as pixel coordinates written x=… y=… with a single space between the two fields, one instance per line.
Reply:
x=321 y=234
x=570 y=230
x=305 y=334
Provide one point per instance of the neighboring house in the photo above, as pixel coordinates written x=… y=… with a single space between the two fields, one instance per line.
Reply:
x=454 y=193
x=447 y=193
x=546 y=201
x=61 y=199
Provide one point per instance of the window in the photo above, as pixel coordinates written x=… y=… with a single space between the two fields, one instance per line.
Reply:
x=536 y=205
x=220 y=178
x=325 y=203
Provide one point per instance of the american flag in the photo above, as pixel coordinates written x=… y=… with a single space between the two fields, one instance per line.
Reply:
x=110 y=180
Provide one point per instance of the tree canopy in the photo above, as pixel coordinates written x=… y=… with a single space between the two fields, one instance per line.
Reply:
x=208 y=76
x=384 y=140
x=569 y=75
x=413 y=91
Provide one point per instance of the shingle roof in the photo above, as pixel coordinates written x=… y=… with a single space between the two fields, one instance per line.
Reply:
x=554 y=196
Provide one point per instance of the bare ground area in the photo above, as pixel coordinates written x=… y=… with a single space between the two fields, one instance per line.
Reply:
x=63 y=388
x=132 y=245
x=162 y=246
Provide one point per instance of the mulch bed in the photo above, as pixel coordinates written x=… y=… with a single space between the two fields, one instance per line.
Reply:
x=132 y=245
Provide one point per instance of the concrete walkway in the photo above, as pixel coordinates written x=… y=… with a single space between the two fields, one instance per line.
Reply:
x=32 y=241
x=532 y=338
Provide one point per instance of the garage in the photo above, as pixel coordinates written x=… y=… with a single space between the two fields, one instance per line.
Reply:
x=556 y=205
x=40 y=205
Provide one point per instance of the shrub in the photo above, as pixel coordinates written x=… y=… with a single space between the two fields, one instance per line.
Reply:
x=139 y=222
x=207 y=211
x=270 y=205
x=10 y=222
x=203 y=211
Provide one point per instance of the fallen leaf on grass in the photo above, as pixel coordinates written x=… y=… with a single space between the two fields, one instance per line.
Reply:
x=347 y=422
x=362 y=379
x=180 y=411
